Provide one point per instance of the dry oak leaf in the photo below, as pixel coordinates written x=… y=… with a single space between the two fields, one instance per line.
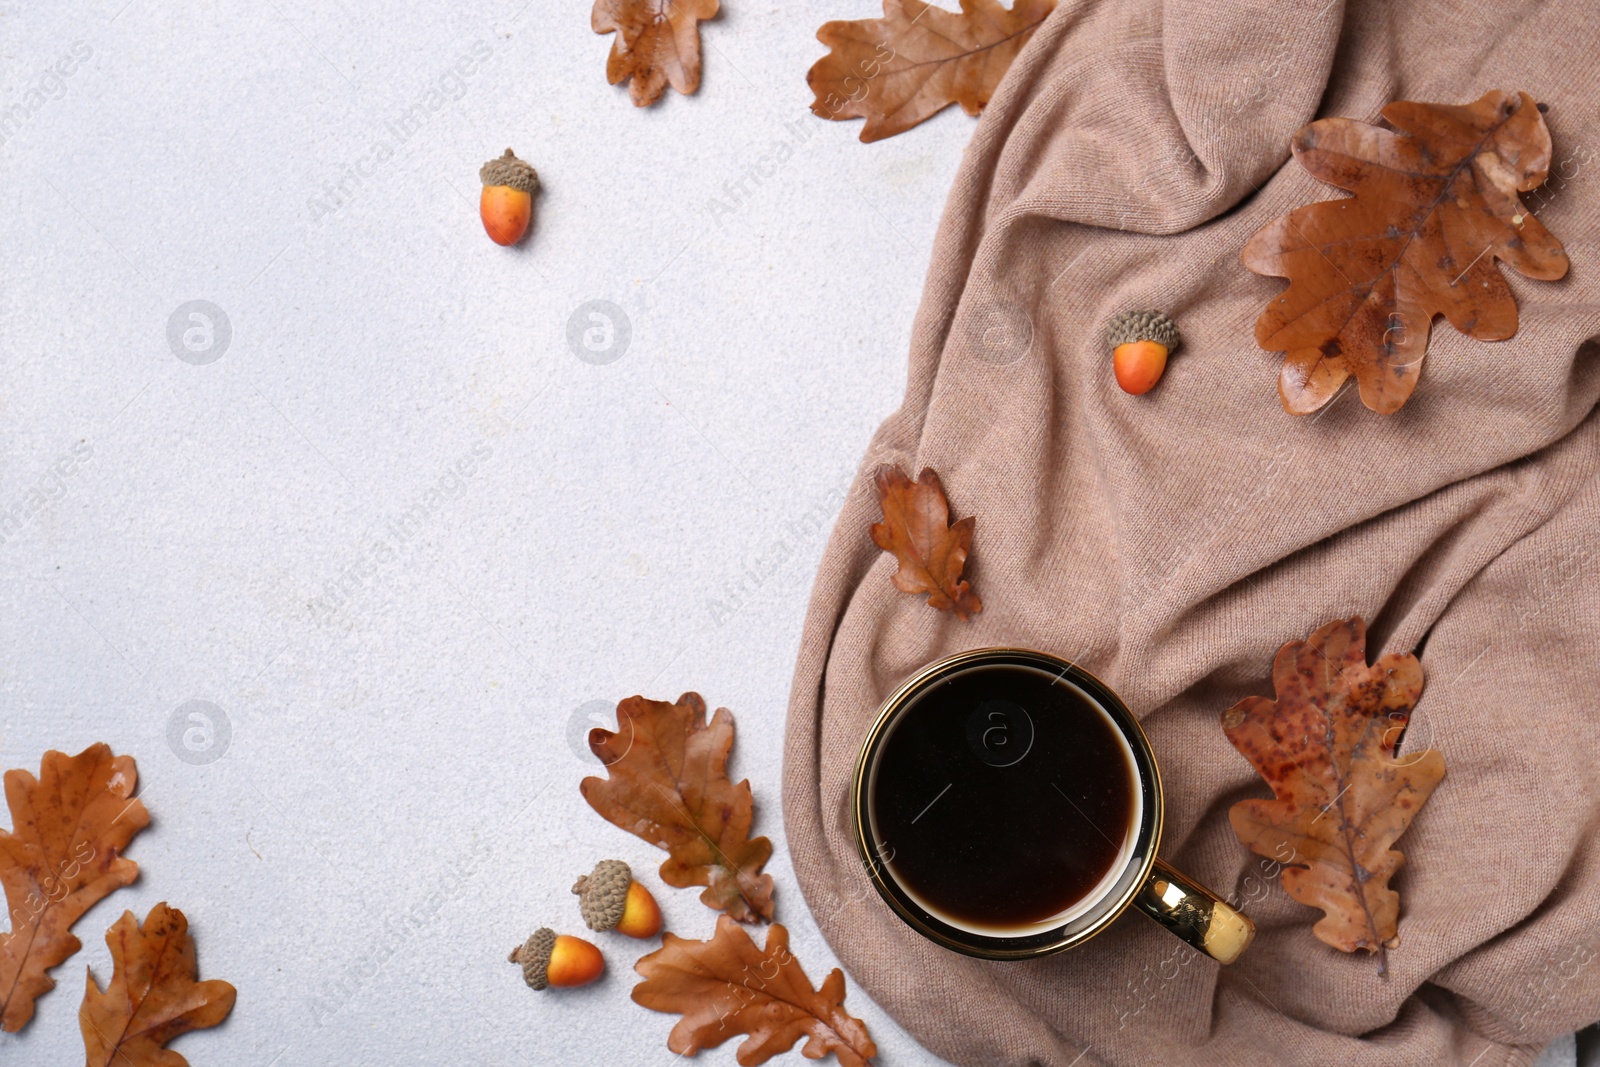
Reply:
x=917 y=60
x=916 y=530
x=668 y=784
x=728 y=986
x=657 y=44
x=62 y=856
x=1435 y=205
x=152 y=997
x=1341 y=798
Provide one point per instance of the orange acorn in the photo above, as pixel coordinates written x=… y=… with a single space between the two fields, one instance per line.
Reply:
x=552 y=959
x=1140 y=343
x=610 y=899
x=506 y=204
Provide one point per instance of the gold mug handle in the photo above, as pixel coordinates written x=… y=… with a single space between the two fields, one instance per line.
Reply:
x=1194 y=913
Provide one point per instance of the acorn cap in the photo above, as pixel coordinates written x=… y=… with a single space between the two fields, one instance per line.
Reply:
x=509 y=170
x=603 y=894
x=1133 y=326
x=534 y=955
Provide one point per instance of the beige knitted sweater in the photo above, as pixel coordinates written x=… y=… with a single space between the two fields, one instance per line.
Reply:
x=1172 y=542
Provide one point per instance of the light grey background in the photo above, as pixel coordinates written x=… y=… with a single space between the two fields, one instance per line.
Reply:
x=394 y=533
x=398 y=803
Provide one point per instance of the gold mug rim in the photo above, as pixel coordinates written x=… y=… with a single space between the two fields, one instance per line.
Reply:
x=1144 y=760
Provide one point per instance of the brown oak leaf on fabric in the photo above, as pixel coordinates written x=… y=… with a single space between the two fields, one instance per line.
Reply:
x=917 y=60
x=1436 y=204
x=668 y=784
x=1341 y=797
x=726 y=986
x=657 y=44
x=152 y=996
x=62 y=856
x=916 y=530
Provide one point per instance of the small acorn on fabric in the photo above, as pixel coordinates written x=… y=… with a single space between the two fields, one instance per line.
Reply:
x=609 y=898
x=1140 y=343
x=552 y=959
x=506 y=203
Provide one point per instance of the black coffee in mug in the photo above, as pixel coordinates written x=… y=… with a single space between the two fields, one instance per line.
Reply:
x=1006 y=804
x=1007 y=800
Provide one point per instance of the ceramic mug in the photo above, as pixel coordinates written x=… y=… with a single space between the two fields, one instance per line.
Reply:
x=1007 y=805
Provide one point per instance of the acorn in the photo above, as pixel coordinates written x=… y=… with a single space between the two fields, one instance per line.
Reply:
x=610 y=899
x=1140 y=343
x=506 y=204
x=549 y=958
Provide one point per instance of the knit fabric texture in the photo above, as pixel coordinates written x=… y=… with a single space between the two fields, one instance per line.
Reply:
x=1171 y=543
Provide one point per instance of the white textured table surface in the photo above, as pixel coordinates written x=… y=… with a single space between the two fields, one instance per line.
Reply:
x=264 y=508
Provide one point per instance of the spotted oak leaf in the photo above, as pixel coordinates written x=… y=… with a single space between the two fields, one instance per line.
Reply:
x=1436 y=204
x=917 y=60
x=657 y=44
x=916 y=530
x=727 y=986
x=62 y=856
x=152 y=996
x=1341 y=797
x=668 y=784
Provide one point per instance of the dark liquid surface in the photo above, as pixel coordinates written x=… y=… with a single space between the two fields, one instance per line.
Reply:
x=1002 y=796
